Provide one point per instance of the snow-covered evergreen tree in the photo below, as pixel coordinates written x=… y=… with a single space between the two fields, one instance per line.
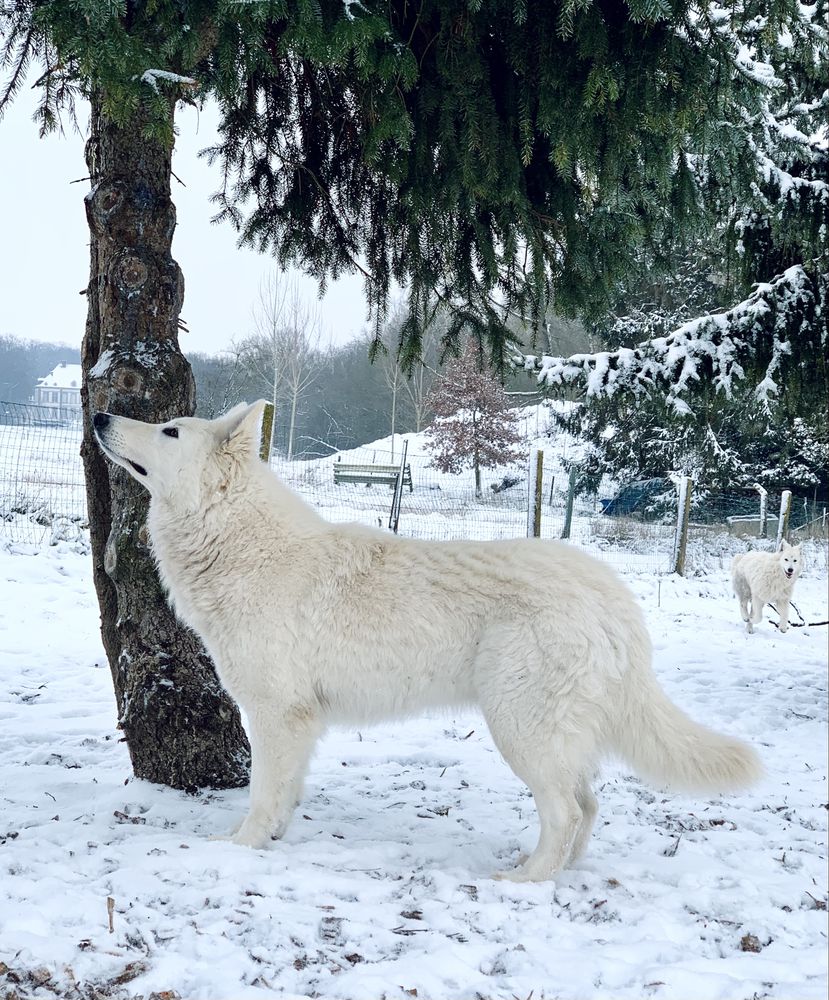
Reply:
x=691 y=382
x=685 y=402
x=474 y=426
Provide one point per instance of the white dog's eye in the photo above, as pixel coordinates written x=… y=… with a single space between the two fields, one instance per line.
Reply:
x=171 y=432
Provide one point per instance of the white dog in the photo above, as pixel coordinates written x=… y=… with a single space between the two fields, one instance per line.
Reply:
x=761 y=578
x=311 y=623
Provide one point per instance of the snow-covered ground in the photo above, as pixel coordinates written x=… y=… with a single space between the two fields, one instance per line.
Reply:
x=382 y=886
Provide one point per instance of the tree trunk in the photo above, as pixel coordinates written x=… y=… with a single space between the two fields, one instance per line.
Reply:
x=294 y=394
x=393 y=412
x=475 y=460
x=181 y=728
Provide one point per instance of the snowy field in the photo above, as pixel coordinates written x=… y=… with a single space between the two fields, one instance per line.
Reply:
x=382 y=886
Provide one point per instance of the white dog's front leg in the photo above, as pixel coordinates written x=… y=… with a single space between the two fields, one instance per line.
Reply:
x=784 y=616
x=281 y=745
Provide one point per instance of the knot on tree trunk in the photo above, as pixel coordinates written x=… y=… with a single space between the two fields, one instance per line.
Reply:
x=118 y=208
x=142 y=292
x=146 y=381
x=131 y=274
x=127 y=381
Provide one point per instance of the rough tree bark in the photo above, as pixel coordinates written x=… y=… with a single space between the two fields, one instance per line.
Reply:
x=180 y=726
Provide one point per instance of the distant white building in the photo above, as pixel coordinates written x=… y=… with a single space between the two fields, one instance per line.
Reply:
x=59 y=393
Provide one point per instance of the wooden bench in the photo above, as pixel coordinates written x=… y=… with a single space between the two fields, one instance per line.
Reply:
x=368 y=473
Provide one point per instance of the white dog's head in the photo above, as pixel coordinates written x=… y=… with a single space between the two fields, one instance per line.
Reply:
x=791 y=561
x=186 y=461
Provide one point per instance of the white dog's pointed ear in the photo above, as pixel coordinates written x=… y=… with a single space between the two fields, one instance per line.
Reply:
x=784 y=545
x=240 y=428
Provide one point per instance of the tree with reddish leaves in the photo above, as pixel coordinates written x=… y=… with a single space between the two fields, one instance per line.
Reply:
x=474 y=427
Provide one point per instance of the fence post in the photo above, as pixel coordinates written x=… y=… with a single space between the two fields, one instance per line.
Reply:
x=266 y=441
x=397 y=499
x=783 y=520
x=535 y=480
x=683 y=516
x=552 y=487
x=764 y=513
x=568 y=513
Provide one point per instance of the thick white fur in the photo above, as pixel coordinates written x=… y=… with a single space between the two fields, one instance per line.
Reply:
x=311 y=623
x=761 y=578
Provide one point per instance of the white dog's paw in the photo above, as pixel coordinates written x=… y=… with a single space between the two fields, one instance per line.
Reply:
x=523 y=873
x=228 y=837
x=253 y=835
x=528 y=869
x=258 y=833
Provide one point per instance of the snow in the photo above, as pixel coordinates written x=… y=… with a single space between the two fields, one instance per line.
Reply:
x=102 y=365
x=719 y=341
x=152 y=76
x=382 y=884
x=63 y=376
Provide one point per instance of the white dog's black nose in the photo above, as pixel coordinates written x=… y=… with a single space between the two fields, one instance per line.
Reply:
x=100 y=420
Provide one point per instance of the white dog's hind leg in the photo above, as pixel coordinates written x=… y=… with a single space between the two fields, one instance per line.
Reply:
x=756 y=613
x=546 y=766
x=589 y=808
x=560 y=819
x=281 y=747
x=743 y=592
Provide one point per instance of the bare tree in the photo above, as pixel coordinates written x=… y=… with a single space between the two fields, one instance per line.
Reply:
x=219 y=381
x=418 y=385
x=415 y=386
x=299 y=345
x=282 y=355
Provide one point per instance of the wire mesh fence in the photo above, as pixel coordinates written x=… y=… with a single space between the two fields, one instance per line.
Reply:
x=634 y=528
x=42 y=494
x=447 y=507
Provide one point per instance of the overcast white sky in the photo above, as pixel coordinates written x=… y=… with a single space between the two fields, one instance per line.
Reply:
x=44 y=259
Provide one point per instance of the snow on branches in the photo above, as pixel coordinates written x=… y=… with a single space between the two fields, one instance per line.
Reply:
x=152 y=76
x=757 y=335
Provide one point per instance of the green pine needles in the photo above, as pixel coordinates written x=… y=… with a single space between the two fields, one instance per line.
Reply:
x=490 y=156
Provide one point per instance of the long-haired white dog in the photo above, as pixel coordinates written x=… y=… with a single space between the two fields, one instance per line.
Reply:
x=311 y=623
x=761 y=578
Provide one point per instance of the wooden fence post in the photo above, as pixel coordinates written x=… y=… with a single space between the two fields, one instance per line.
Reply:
x=683 y=517
x=568 y=513
x=266 y=440
x=783 y=519
x=535 y=481
x=764 y=513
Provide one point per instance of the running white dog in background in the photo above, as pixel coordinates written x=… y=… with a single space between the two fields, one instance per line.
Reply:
x=311 y=623
x=761 y=578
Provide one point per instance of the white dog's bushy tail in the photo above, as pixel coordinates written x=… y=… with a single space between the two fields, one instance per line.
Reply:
x=663 y=744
